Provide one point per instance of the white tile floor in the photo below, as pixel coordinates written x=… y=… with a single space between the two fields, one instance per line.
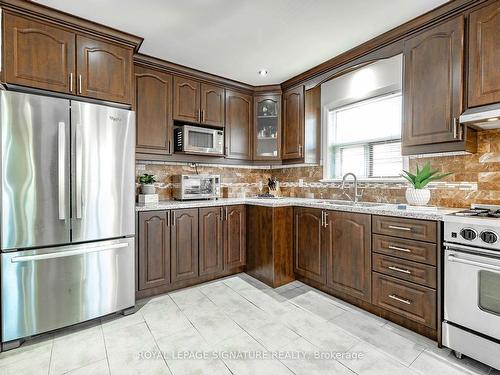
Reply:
x=181 y=333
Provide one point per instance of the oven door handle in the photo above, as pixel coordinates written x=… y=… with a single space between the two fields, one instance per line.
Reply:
x=453 y=258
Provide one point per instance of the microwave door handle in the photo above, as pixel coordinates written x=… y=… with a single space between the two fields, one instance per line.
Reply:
x=453 y=258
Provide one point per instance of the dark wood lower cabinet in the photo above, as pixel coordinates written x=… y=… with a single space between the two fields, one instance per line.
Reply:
x=184 y=241
x=235 y=238
x=308 y=253
x=211 y=243
x=348 y=243
x=154 y=249
x=181 y=248
x=269 y=244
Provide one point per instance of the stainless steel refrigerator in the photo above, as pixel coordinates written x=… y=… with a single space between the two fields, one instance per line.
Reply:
x=68 y=206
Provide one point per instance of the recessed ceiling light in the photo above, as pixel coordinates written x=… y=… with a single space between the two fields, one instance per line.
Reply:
x=263 y=72
x=493 y=119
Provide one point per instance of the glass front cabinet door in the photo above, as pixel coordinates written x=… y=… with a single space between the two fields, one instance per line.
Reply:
x=267 y=127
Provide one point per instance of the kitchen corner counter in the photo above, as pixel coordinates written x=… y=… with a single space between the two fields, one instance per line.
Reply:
x=374 y=209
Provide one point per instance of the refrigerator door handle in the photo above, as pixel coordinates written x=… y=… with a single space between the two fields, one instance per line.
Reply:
x=61 y=254
x=61 y=169
x=78 y=172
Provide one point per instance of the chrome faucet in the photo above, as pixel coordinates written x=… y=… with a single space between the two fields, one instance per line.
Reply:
x=356 y=194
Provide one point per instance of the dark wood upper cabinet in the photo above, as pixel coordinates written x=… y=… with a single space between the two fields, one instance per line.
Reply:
x=184 y=244
x=238 y=130
x=211 y=249
x=433 y=86
x=293 y=124
x=38 y=55
x=186 y=100
x=484 y=55
x=153 y=106
x=104 y=70
x=235 y=239
x=154 y=249
x=348 y=242
x=309 y=259
x=212 y=105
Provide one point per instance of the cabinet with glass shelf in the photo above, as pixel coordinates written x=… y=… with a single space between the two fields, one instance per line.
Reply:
x=267 y=127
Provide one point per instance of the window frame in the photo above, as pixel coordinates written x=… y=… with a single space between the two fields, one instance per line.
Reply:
x=368 y=145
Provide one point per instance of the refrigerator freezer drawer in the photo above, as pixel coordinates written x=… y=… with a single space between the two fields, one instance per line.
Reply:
x=50 y=288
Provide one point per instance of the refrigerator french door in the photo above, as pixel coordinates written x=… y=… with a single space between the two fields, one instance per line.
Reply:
x=68 y=182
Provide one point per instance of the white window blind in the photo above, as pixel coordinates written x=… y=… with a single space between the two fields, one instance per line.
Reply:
x=365 y=138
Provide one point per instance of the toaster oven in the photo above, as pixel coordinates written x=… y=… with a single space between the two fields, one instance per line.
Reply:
x=187 y=187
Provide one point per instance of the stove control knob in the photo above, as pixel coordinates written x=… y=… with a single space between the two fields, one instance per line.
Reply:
x=468 y=234
x=489 y=237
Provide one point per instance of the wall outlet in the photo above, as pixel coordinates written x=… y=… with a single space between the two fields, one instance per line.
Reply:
x=301 y=182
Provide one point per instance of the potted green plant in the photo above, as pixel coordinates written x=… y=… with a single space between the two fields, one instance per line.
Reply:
x=147 y=181
x=418 y=194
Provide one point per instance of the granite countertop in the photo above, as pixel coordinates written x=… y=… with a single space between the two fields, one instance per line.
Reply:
x=370 y=208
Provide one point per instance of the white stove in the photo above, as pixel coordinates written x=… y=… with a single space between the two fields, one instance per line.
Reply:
x=472 y=283
x=478 y=226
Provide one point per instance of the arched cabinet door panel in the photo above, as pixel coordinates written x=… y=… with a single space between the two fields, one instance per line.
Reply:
x=184 y=242
x=309 y=260
x=38 y=55
x=293 y=124
x=104 y=70
x=349 y=253
x=211 y=250
x=154 y=249
x=212 y=105
x=484 y=55
x=433 y=85
x=238 y=132
x=153 y=106
x=186 y=100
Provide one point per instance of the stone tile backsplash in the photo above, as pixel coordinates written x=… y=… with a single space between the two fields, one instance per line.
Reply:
x=475 y=179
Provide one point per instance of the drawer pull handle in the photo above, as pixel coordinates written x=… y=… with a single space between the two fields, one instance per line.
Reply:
x=399 y=299
x=399 y=249
x=399 y=228
x=399 y=270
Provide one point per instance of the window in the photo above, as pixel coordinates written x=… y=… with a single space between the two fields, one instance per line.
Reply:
x=365 y=138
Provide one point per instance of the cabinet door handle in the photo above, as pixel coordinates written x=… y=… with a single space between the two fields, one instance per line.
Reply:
x=326 y=219
x=173 y=219
x=399 y=249
x=226 y=212
x=169 y=142
x=300 y=150
x=397 y=269
x=70 y=82
x=399 y=299
x=202 y=116
x=168 y=219
x=80 y=83
x=399 y=228
x=322 y=218
x=457 y=130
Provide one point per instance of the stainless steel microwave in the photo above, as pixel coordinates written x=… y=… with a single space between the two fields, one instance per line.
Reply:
x=197 y=186
x=198 y=140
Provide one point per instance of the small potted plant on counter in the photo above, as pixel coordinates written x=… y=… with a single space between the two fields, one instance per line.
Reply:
x=418 y=194
x=147 y=181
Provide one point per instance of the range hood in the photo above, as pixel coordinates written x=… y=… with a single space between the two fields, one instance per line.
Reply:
x=485 y=117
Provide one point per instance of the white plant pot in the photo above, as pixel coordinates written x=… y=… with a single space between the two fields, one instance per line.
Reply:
x=418 y=197
x=147 y=188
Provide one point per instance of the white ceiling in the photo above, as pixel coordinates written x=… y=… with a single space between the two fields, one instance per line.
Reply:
x=237 y=38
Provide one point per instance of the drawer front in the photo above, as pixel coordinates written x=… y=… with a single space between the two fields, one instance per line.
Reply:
x=413 y=229
x=412 y=301
x=405 y=270
x=417 y=251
